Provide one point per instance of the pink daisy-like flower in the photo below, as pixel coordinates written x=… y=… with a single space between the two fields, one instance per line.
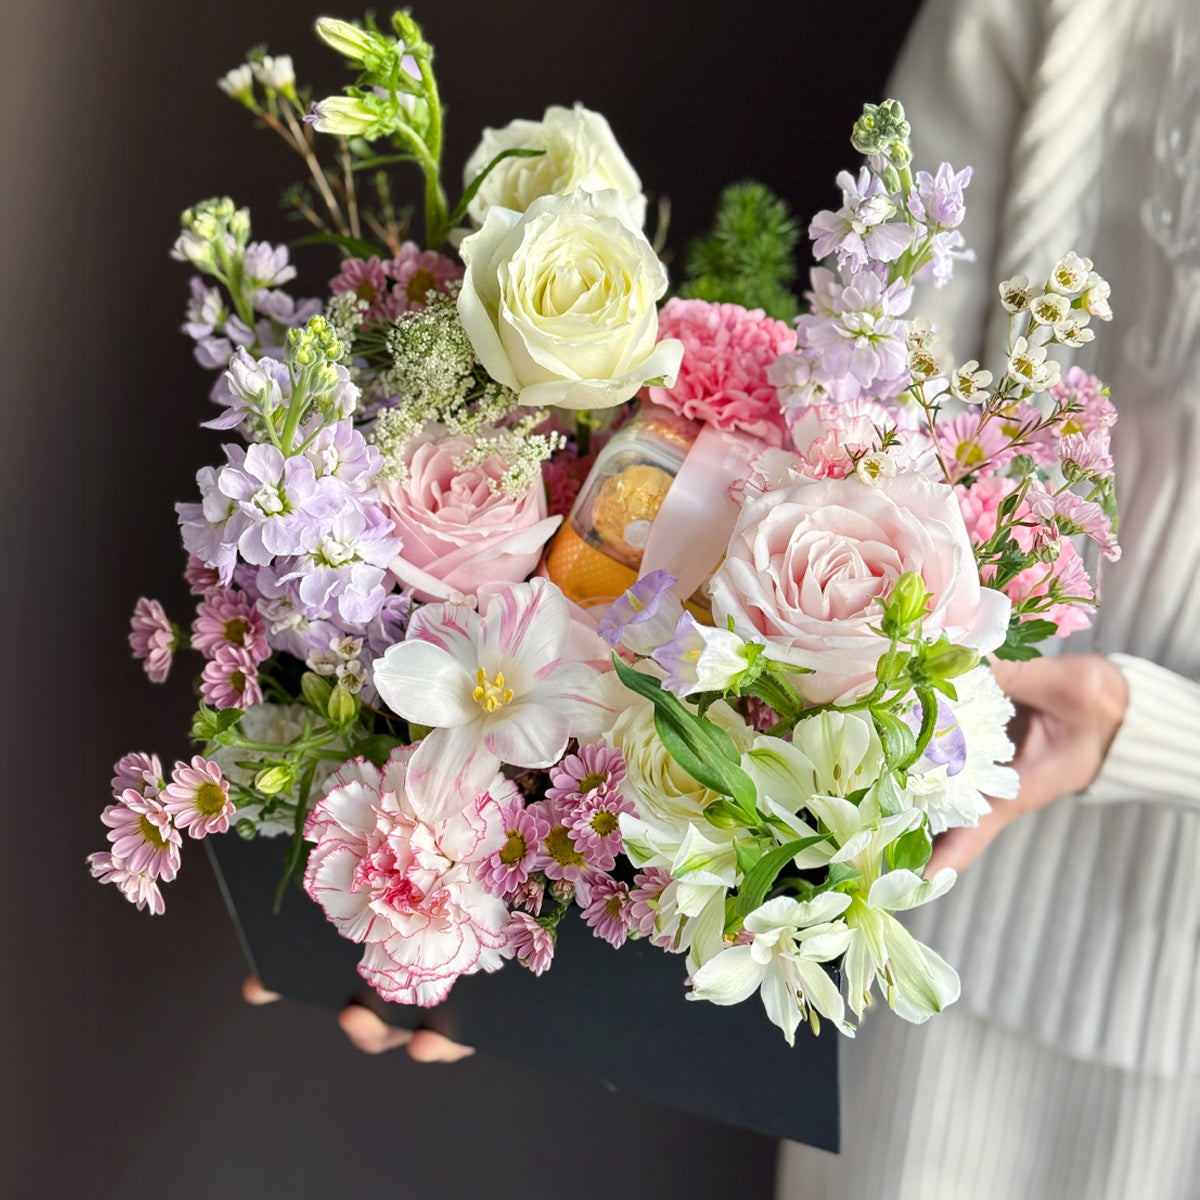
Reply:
x=1015 y=422
x=418 y=272
x=529 y=942
x=558 y=856
x=648 y=886
x=608 y=911
x=1074 y=514
x=226 y=617
x=967 y=447
x=141 y=772
x=595 y=827
x=591 y=769
x=1087 y=453
x=198 y=798
x=367 y=279
x=230 y=680
x=201 y=578
x=142 y=835
x=152 y=639
x=136 y=886
x=529 y=895
x=1096 y=410
x=507 y=868
x=723 y=376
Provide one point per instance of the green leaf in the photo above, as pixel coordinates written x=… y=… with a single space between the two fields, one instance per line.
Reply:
x=209 y=723
x=911 y=851
x=748 y=854
x=887 y=796
x=296 y=855
x=1023 y=636
x=382 y=160
x=376 y=748
x=704 y=750
x=358 y=247
x=841 y=874
x=762 y=875
x=929 y=717
x=894 y=733
x=461 y=207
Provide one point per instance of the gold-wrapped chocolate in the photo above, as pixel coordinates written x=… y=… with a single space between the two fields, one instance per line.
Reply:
x=625 y=507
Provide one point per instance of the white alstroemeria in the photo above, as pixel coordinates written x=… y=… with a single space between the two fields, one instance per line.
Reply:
x=962 y=765
x=916 y=982
x=861 y=832
x=1027 y=365
x=791 y=939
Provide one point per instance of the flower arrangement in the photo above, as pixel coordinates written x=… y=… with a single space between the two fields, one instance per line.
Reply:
x=518 y=593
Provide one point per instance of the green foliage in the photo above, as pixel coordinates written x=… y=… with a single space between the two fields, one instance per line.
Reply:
x=749 y=257
x=1023 y=637
x=762 y=875
x=911 y=851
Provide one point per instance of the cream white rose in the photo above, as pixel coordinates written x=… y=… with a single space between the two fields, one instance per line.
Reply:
x=560 y=302
x=581 y=154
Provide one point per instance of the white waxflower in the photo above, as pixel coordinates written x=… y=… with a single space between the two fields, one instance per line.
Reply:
x=1015 y=294
x=1070 y=274
x=873 y=467
x=969 y=384
x=1074 y=330
x=275 y=72
x=791 y=939
x=1095 y=297
x=1027 y=365
x=1050 y=308
x=237 y=83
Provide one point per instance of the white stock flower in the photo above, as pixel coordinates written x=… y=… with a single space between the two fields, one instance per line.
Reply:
x=560 y=302
x=580 y=154
x=792 y=938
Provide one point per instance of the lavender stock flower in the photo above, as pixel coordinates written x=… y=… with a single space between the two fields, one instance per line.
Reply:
x=862 y=229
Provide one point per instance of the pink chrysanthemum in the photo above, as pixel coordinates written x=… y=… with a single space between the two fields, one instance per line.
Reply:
x=967 y=447
x=608 y=911
x=201 y=578
x=152 y=639
x=1016 y=423
x=226 y=617
x=529 y=895
x=142 y=835
x=1096 y=410
x=558 y=856
x=590 y=770
x=367 y=279
x=198 y=798
x=141 y=772
x=529 y=942
x=507 y=868
x=230 y=680
x=1087 y=453
x=648 y=885
x=723 y=376
x=595 y=827
x=136 y=886
x=418 y=272
x=1068 y=575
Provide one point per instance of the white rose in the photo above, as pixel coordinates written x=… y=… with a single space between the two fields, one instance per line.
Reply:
x=581 y=154
x=560 y=302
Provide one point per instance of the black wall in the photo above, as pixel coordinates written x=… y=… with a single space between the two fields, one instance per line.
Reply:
x=131 y=1066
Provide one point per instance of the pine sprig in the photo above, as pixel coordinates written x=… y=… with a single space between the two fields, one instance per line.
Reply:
x=749 y=257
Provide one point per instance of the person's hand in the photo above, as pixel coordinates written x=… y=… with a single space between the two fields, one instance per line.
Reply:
x=1071 y=706
x=372 y=1035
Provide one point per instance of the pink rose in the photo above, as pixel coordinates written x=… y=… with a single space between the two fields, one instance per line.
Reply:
x=806 y=563
x=723 y=377
x=458 y=533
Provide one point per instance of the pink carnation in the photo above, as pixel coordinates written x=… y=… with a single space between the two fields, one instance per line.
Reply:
x=152 y=639
x=723 y=376
x=418 y=272
x=459 y=531
x=404 y=888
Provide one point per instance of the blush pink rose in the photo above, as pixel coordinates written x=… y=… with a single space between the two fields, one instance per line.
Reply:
x=723 y=377
x=458 y=533
x=807 y=562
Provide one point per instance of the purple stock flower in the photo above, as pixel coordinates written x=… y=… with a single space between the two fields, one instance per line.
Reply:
x=267 y=266
x=644 y=616
x=253 y=386
x=339 y=451
x=937 y=200
x=861 y=230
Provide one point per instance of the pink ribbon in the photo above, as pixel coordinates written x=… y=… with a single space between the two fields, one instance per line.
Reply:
x=692 y=528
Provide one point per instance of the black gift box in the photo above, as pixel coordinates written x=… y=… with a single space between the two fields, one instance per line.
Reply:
x=727 y=1064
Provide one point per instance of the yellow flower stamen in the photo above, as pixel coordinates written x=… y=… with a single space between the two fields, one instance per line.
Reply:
x=490 y=696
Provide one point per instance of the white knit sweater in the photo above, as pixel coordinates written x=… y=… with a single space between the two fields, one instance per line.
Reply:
x=1081 y=925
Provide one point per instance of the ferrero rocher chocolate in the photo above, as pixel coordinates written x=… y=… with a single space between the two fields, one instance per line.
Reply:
x=625 y=506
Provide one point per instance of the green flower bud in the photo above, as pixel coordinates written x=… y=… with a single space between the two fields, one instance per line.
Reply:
x=905 y=604
x=342 y=706
x=316 y=691
x=879 y=128
x=276 y=778
x=348 y=40
x=943 y=660
x=347 y=116
x=891 y=665
x=246 y=829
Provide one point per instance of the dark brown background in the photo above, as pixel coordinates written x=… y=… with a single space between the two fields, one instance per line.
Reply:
x=131 y=1067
